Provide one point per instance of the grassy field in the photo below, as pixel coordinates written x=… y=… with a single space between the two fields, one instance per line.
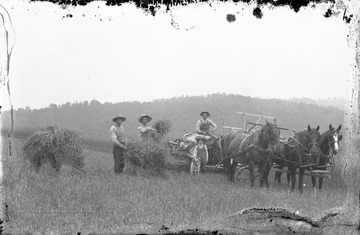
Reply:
x=102 y=202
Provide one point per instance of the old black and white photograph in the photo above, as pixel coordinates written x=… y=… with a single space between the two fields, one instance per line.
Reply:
x=180 y=117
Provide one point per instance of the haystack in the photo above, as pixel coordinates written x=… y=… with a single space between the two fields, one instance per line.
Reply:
x=59 y=147
x=147 y=154
x=153 y=158
x=152 y=154
x=178 y=163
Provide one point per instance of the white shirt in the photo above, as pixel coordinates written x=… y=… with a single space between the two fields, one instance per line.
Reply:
x=142 y=129
x=117 y=134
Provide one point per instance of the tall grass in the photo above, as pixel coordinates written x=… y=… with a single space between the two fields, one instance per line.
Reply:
x=102 y=202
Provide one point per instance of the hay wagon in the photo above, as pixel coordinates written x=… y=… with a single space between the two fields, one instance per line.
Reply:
x=183 y=148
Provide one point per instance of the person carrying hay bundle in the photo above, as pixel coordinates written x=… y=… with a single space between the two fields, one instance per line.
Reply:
x=201 y=152
x=144 y=129
x=117 y=134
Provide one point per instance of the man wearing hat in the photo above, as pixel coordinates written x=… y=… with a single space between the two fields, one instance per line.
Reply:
x=117 y=134
x=201 y=152
x=203 y=125
x=143 y=129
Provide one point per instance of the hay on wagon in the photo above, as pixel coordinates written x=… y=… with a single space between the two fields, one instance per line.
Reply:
x=59 y=147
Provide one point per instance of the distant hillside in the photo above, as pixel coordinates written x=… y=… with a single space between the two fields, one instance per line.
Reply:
x=329 y=102
x=93 y=119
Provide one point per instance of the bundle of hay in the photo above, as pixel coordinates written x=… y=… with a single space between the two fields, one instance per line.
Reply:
x=151 y=135
x=178 y=163
x=154 y=158
x=148 y=155
x=59 y=147
x=163 y=127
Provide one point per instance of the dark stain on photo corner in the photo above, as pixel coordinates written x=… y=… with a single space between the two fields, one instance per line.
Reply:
x=257 y=13
x=151 y=6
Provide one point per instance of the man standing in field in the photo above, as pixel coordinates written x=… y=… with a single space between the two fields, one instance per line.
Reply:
x=117 y=134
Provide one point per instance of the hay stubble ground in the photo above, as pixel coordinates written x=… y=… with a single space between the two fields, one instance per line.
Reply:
x=102 y=202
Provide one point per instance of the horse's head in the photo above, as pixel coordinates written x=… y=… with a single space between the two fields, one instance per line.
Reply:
x=334 y=136
x=270 y=137
x=312 y=138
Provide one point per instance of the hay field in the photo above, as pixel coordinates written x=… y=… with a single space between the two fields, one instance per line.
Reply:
x=102 y=202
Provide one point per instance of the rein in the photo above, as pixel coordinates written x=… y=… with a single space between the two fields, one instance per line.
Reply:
x=300 y=144
x=330 y=155
x=256 y=146
x=306 y=149
x=305 y=153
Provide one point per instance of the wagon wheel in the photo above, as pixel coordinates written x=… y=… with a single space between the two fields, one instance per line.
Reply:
x=239 y=175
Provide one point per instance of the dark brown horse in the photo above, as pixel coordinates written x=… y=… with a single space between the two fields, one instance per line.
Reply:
x=281 y=163
x=214 y=150
x=230 y=145
x=255 y=149
x=302 y=151
x=329 y=144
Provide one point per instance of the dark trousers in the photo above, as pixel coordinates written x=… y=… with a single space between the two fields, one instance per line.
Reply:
x=119 y=159
x=202 y=164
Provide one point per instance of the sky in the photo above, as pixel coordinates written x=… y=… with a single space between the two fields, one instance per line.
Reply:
x=117 y=54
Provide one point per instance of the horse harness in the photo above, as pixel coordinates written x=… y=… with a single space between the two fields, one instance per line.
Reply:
x=330 y=153
x=306 y=153
x=252 y=146
x=301 y=145
x=329 y=140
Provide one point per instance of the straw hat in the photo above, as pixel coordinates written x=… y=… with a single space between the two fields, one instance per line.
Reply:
x=200 y=138
x=202 y=113
x=117 y=117
x=144 y=115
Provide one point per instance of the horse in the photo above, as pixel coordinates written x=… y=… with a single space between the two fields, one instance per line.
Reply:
x=302 y=151
x=281 y=163
x=329 y=143
x=255 y=149
x=214 y=150
x=230 y=145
